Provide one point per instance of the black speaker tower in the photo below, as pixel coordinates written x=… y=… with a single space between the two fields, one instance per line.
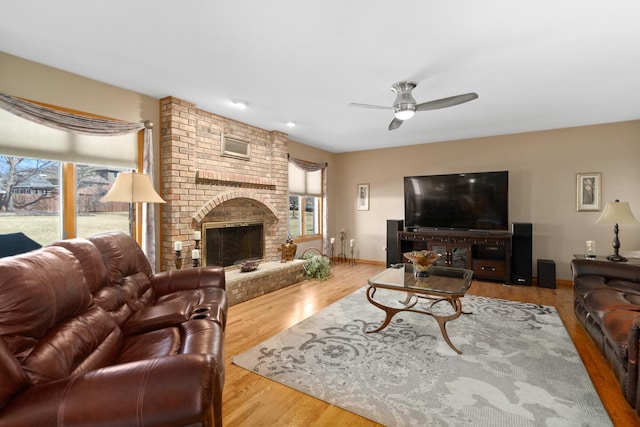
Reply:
x=522 y=253
x=393 y=249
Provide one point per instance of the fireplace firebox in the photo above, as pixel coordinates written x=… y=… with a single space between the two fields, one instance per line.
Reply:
x=228 y=243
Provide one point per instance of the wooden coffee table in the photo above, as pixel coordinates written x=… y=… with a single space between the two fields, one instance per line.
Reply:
x=440 y=284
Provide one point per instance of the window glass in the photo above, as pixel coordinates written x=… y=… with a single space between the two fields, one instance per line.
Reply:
x=305 y=202
x=92 y=215
x=311 y=215
x=30 y=198
x=304 y=222
x=295 y=220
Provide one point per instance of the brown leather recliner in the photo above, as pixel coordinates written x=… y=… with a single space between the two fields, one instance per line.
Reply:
x=90 y=336
x=607 y=302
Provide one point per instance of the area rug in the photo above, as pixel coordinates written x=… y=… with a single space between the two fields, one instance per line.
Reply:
x=518 y=365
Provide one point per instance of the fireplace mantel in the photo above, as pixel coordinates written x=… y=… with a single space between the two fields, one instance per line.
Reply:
x=234 y=180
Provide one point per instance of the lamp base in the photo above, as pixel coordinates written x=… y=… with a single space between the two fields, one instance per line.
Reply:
x=617 y=258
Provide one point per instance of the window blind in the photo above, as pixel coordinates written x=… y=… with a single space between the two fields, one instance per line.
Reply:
x=303 y=183
x=23 y=138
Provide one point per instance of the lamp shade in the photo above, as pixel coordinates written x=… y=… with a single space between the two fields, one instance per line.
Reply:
x=617 y=213
x=132 y=187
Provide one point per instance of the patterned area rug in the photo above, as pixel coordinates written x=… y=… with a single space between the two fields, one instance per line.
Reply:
x=518 y=366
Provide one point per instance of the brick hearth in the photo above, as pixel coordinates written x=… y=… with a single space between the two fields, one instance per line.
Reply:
x=269 y=277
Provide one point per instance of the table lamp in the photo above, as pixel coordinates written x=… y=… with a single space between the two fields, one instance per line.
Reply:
x=617 y=213
x=132 y=187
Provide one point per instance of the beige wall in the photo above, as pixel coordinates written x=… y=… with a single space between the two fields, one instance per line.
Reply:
x=26 y=79
x=37 y=82
x=542 y=166
x=542 y=188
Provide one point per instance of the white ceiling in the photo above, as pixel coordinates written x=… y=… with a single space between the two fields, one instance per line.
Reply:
x=535 y=65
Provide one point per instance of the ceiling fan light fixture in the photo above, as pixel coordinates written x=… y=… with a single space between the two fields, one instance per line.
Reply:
x=403 y=113
x=404 y=107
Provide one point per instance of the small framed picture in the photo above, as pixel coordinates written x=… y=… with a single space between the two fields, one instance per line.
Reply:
x=588 y=191
x=363 y=197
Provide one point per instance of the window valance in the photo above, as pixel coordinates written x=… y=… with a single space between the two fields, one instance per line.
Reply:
x=31 y=130
x=69 y=122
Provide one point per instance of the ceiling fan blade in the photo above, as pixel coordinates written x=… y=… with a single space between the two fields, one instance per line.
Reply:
x=446 y=102
x=395 y=124
x=379 y=107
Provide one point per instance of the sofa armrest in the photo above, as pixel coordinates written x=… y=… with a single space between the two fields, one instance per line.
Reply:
x=632 y=393
x=166 y=282
x=173 y=390
x=151 y=318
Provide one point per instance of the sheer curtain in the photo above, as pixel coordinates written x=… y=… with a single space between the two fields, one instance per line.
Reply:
x=84 y=125
x=312 y=167
x=148 y=209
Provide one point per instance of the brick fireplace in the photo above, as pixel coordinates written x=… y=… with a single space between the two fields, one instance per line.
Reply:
x=202 y=184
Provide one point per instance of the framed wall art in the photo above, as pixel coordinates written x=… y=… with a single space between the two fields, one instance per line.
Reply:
x=363 y=197
x=588 y=191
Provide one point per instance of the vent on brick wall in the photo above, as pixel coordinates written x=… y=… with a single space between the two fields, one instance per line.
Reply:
x=233 y=147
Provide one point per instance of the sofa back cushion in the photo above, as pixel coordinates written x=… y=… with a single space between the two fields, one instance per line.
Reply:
x=37 y=291
x=122 y=256
x=112 y=298
x=48 y=319
x=95 y=271
x=128 y=270
x=14 y=379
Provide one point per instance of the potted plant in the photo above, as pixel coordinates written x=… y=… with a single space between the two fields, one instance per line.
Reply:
x=316 y=266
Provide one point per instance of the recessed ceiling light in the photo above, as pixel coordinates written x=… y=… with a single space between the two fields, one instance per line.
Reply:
x=240 y=104
x=291 y=124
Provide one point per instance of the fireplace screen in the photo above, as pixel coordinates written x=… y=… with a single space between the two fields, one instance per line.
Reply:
x=228 y=243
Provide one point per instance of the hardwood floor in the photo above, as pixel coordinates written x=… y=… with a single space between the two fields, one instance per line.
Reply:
x=251 y=400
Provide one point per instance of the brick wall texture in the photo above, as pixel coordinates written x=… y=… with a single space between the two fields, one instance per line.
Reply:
x=201 y=185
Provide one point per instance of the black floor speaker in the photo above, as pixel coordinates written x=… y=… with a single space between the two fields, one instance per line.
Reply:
x=546 y=273
x=393 y=249
x=522 y=253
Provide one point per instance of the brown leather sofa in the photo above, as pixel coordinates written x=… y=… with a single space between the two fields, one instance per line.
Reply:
x=607 y=302
x=90 y=336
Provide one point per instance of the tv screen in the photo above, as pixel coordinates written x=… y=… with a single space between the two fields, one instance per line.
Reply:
x=469 y=201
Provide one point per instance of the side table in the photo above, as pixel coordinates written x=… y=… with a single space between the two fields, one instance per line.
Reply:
x=635 y=261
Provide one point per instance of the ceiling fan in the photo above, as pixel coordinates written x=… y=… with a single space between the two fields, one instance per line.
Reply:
x=405 y=106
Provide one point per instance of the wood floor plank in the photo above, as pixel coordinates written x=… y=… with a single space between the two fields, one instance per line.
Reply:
x=252 y=400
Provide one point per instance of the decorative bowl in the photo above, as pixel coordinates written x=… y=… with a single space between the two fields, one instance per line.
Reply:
x=249 y=265
x=421 y=260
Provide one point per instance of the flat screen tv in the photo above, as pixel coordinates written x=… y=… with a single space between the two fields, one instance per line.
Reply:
x=466 y=201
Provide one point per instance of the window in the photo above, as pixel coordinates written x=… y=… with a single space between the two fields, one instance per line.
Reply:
x=51 y=180
x=92 y=215
x=30 y=198
x=305 y=203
